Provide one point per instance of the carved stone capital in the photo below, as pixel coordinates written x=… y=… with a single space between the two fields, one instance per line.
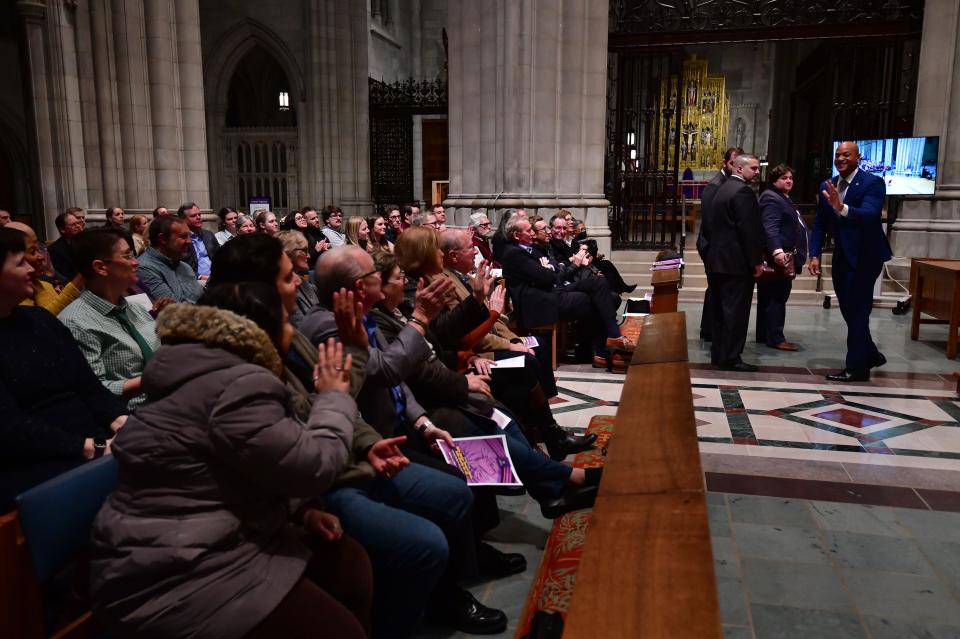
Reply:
x=32 y=11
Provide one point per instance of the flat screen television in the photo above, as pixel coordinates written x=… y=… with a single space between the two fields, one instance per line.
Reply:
x=907 y=165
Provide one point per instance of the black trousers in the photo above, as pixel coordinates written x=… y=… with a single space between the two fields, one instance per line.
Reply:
x=705 y=319
x=772 y=296
x=590 y=299
x=730 y=300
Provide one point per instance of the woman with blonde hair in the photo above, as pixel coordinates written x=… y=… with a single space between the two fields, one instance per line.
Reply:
x=138 y=231
x=357 y=231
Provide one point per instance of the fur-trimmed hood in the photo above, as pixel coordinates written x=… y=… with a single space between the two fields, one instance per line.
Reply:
x=211 y=326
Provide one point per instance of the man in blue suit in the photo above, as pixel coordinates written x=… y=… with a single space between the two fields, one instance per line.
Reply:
x=849 y=209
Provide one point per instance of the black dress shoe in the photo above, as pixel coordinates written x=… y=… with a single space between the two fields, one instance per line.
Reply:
x=850 y=375
x=878 y=361
x=494 y=563
x=573 y=498
x=740 y=367
x=628 y=288
x=462 y=611
x=560 y=443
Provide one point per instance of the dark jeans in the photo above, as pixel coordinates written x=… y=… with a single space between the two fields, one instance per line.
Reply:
x=730 y=300
x=772 y=296
x=406 y=524
x=590 y=299
x=332 y=599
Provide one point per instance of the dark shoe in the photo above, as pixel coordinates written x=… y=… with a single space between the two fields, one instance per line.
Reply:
x=850 y=375
x=740 y=367
x=494 y=563
x=573 y=498
x=879 y=361
x=560 y=443
x=462 y=611
x=628 y=289
x=785 y=346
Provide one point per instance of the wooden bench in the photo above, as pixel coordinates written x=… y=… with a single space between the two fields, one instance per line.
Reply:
x=647 y=565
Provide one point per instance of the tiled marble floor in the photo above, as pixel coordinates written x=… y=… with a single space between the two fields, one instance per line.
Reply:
x=858 y=484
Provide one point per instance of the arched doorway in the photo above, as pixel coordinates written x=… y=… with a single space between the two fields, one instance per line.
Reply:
x=253 y=90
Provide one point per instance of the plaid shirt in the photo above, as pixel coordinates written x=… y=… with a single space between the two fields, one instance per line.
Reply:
x=112 y=352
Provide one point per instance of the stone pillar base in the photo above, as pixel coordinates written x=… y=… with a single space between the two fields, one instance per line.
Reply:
x=927 y=228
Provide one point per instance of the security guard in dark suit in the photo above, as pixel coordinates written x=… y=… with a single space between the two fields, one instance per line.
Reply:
x=733 y=259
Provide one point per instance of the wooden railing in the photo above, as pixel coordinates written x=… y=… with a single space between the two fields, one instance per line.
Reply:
x=647 y=566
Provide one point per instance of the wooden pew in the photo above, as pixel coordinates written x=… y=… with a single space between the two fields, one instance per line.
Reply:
x=647 y=564
x=21 y=613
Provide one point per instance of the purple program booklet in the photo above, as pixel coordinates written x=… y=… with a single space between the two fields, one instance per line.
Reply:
x=485 y=461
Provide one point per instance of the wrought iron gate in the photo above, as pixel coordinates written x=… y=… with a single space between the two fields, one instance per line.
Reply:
x=643 y=149
x=392 y=107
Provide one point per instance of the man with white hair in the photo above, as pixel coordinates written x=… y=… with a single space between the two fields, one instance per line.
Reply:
x=480 y=233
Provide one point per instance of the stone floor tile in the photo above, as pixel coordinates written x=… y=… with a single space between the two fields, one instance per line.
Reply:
x=922 y=600
x=763 y=541
x=716 y=499
x=883 y=628
x=717 y=517
x=877 y=552
x=781 y=622
x=737 y=632
x=945 y=557
x=857 y=518
x=733 y=606
x=930 y=524
x=726 y=561
x=782 y=583
x=753 y=509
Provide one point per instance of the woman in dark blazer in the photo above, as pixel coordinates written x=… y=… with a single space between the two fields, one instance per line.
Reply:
x=785 y=235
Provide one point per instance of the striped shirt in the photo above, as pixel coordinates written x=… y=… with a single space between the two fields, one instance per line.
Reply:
x=112 y=352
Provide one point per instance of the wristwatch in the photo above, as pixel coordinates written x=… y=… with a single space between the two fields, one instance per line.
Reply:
x=422 y=428
x=99 y=447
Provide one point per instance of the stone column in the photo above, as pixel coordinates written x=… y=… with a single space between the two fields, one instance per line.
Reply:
x=133 y=102
x=195 y=183
x=931 y=227
x=334 y=117
x=527 y=95
x=164 y=99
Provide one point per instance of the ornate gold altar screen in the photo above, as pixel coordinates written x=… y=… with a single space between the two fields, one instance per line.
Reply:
x=704 y=116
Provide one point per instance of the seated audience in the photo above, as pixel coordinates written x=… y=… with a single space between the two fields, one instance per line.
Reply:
x=441 y=215
x=499 y=238
x=56 y=413
x=394 y=222
x=407 y=212
x=117 y=338
x=333 y=226
x=115 y=218
x=378 y=235
x=295 y=246
x=69 y=225
x=392 y=407
x=295 y=221
x=267 y=223
x=160 y=211
x=385 y=509
x=197 y=538
x=519 y=389
x=45 y=295
x=543 y=292
x=4 y=217
x=162 y=269
x=203 y=243
x=427 y=219
x=138 y=225
x=566 y=246
x=228 y=225
x=357 y=232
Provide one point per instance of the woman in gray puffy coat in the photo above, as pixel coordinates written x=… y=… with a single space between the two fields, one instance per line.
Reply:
x=199 y=540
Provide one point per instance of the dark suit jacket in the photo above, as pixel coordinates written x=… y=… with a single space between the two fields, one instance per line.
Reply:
x=734 y=230
x=530 y=286
x=706 y=199
x=858 y=236
x=62 y=259
x=781 y=225
x=211 y=244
